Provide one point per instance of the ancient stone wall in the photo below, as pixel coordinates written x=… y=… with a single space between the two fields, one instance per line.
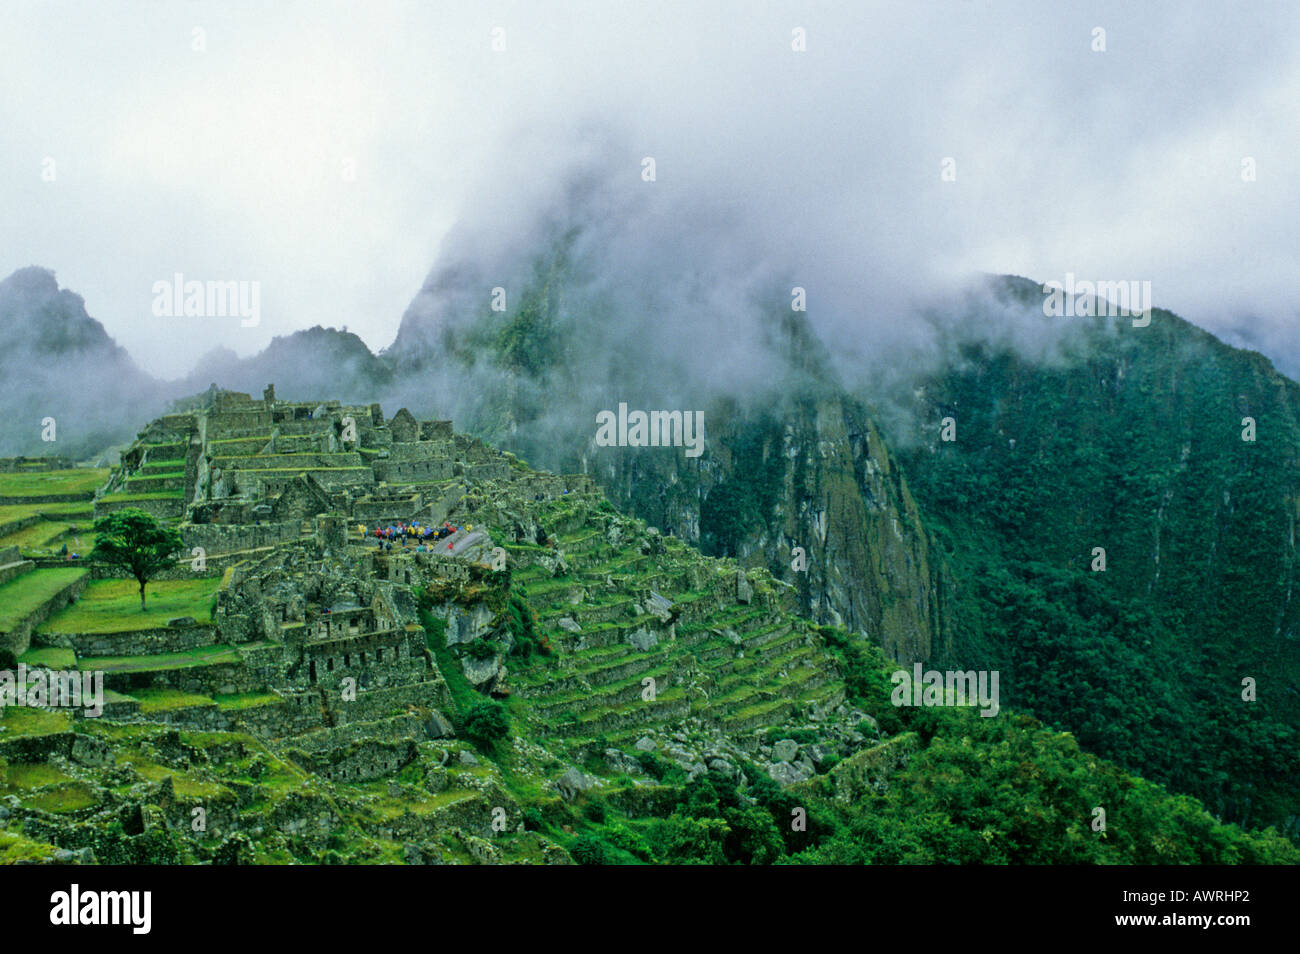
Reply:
x=409 y=471
x=139 y=642
x=18 y=639
x=226 y=538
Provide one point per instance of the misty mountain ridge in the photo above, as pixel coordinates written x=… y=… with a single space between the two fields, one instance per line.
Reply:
x=1070 y=431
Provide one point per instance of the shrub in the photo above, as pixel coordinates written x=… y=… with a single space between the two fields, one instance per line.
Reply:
x=523 y=627
x=588 y=850
x=630 y=842
x=485 y=722
x=652 y=765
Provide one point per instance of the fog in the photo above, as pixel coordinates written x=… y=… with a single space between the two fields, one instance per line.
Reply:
x=366 y=161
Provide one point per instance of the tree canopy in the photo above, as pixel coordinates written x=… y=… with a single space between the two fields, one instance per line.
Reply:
x=134 y=540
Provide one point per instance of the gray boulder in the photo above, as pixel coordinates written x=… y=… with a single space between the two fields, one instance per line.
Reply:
x=642 y=639
x=744 y=592
x=573 y=783
x=783 y=773
x=786 y=750
x=480 y=671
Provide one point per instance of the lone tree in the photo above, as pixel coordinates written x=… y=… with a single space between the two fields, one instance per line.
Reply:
x=134 y=539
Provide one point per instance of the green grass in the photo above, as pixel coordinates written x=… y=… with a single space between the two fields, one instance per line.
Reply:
x=165 y=475
x=113 y=606
x=246 y=700
x=80 y=481
x=37 y=535
x=70 y=797
x=24 y=776
x=20 y=597
x=205 y=656
x=75 y=510
x=162 y=700
x=51 y=657
x=182 y=783
x=19 y=720
x=14 y=848
x=44 y=538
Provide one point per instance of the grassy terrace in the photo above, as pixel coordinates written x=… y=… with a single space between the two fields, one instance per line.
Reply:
x=82 y=480
x=162 y=700
x=23 y=777
x=205 y=656
x=21 y=597
x=72 y=510
x=44 y=536
x=246 y=700
x=25 y=721
x=113 y=606
x=51 y=657
x=185 y=784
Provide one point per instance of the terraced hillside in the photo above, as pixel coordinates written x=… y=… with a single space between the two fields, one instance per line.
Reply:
x=544 y=680
x=43 y=510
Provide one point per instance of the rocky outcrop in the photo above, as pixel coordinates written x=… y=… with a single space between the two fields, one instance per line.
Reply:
x=813 y=495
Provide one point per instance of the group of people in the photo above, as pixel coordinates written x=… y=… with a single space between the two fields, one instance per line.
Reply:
x=404 y=533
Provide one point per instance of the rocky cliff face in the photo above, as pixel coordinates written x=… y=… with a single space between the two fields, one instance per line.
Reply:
x=808 y=491
x=795 y=477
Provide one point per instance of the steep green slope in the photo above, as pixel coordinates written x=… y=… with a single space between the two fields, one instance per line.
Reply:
x=745 y=695
x=1132 y=443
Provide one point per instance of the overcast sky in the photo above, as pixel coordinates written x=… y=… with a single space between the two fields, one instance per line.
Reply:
x=231 y=162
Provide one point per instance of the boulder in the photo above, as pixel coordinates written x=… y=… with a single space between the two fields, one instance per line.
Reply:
x=659 y=606
x=573 y=783
x=744 y=592
x=783 y=773
x=642 y=639
x=786 y=750
x=621 y=762
x=464 y=626
x=438 y=726
x=481 y=671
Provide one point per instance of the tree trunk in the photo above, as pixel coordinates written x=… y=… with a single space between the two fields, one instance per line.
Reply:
x=142 y=596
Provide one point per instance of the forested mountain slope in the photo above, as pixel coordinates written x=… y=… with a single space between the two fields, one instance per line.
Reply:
x=1132 y=443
